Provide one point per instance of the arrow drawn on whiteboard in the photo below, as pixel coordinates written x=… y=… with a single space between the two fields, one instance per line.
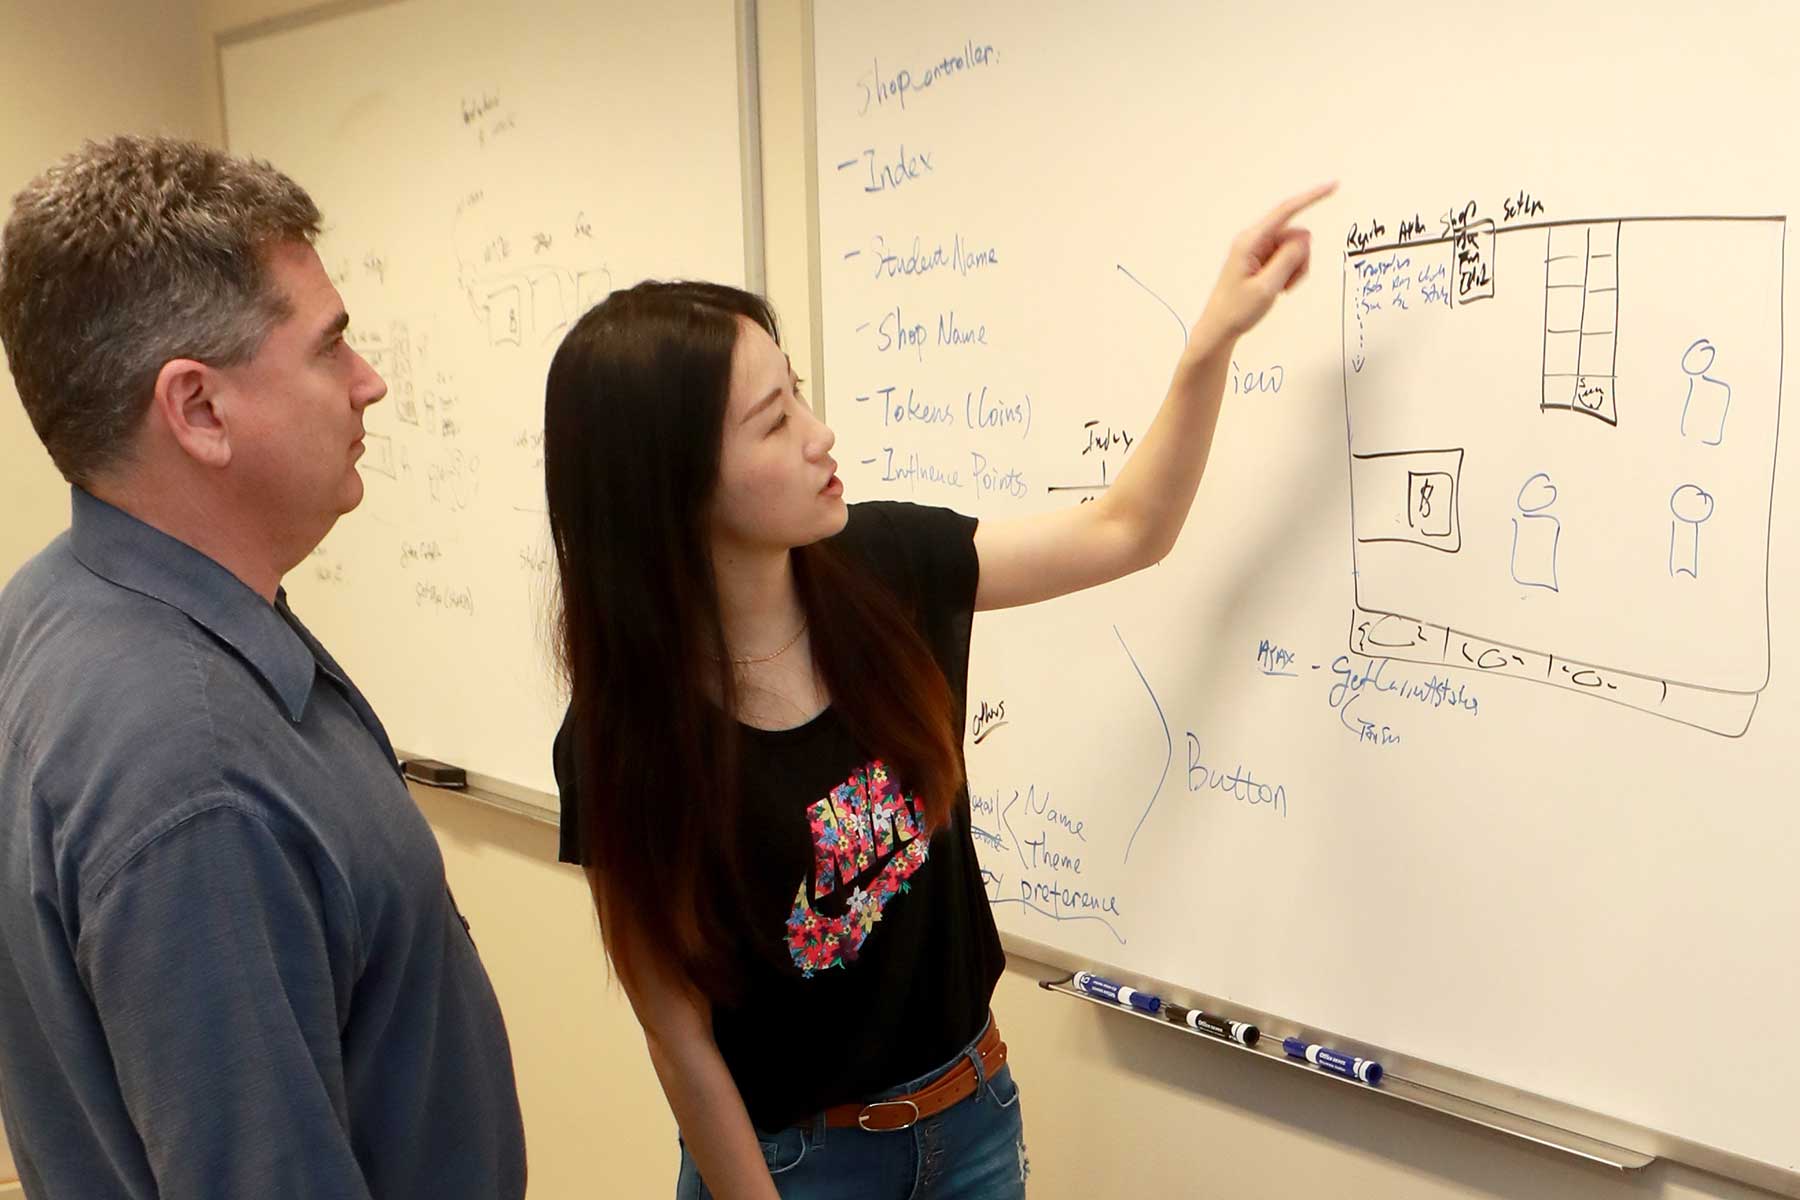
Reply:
x=1167 y=741
x=1180 y=324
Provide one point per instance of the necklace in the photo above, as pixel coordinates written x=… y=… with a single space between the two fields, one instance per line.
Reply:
x=752 y=660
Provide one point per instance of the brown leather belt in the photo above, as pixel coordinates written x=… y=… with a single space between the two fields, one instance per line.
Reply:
x=903 y=1112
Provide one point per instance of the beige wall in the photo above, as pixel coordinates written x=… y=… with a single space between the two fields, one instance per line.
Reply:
x=1114 y=1107
x=71 y=70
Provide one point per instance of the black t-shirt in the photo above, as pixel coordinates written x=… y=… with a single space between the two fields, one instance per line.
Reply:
x=892 y=955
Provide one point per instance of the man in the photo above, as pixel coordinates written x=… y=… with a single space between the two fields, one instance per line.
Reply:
x=229 y=963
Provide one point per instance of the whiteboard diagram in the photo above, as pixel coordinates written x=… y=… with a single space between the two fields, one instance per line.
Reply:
x=1563 y=439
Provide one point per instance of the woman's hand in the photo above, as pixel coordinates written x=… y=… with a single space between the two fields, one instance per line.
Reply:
x=1264 y=261
x=1136 y=521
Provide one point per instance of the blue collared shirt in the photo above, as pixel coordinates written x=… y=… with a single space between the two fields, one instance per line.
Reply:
x=229 y=962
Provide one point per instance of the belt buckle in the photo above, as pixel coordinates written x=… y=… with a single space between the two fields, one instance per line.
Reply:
x=862 y=1118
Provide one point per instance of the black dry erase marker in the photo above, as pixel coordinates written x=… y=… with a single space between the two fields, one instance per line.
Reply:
x=1231 y=1031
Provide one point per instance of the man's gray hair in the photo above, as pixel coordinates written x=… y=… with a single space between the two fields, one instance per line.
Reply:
x=127 y=254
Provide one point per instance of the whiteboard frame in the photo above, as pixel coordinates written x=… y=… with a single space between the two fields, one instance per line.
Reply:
x=756 y=268
x=815 y=277
x=533 y=805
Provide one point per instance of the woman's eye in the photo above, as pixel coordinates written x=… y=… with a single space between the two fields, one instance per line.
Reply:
x=779 y=422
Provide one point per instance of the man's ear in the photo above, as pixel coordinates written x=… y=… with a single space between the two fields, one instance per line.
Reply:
x=189 y=403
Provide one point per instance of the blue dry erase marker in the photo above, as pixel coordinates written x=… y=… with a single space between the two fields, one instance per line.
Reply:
x=1118 y=993
x=1341 y=1064
x=1220 y=1027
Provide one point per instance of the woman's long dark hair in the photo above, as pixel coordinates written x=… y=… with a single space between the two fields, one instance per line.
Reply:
x=633 y=428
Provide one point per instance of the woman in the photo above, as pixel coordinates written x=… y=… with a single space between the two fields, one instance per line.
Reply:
x=761 y=766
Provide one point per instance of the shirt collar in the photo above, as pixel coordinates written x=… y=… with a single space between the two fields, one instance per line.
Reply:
x=118 y=547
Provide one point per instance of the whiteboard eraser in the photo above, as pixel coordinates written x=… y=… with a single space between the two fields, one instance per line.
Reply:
x=433 y=773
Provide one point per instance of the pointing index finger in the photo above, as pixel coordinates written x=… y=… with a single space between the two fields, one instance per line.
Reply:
x=1293 y=206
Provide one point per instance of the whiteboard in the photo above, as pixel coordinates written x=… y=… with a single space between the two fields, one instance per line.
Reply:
x=1458 y=720
x=486 y=172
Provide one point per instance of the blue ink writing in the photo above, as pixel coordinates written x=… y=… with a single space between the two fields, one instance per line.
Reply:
x=1238 y=783
x=912 y=410
x=1274 y=660
x=903 y=170
x=1435 y=691
x=879 y=88
x=1267 y=379
x=962 y=258
x=979 y=412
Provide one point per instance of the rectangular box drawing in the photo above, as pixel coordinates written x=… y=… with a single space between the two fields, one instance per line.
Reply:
x=1571 y=481
x=1581 y=318
x=1473 y=247
x=1411 y=497
x=379 y=455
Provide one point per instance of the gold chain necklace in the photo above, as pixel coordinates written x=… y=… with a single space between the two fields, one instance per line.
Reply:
x=752 y=660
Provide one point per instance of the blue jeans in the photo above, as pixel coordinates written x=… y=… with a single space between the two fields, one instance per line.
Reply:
x=973 y=1150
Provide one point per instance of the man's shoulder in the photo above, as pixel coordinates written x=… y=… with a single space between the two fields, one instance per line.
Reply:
x=66 y=632
x=102 y=691
x=46 y=571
